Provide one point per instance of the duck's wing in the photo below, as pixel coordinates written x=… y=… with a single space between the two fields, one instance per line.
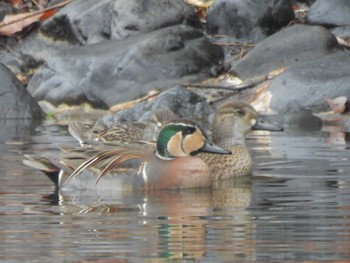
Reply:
x=108 y=160
x=88 y=133
x=122 y=134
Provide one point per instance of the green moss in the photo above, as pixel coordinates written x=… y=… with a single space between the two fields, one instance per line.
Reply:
x=50 y=115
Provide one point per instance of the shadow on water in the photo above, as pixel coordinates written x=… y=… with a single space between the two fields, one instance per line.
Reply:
x=295 y=207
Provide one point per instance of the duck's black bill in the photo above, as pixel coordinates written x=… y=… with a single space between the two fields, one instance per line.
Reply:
x=264 y=125
x=212 y=148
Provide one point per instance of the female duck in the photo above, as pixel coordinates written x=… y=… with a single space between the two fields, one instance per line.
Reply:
x=232 y=122
x=90 y=133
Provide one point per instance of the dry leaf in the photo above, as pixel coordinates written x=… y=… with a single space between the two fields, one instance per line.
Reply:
x=17 y=3
x=343 y=41
x=13 y=28
x=200 y=3
x=48 y=14
x=15 y=23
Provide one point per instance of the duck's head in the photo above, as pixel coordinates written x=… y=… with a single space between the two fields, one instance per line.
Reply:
x=181 y=138
x=232 y=121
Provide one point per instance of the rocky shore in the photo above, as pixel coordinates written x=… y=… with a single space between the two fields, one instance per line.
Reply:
x=284 y=57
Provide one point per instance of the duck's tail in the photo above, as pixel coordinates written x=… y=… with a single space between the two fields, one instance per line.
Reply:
x=106 y=161
x=44 y=165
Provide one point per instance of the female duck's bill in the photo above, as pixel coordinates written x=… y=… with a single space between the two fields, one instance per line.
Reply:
x=264 y=125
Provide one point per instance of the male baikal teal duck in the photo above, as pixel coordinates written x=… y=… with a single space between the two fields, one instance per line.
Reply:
x=177 y=161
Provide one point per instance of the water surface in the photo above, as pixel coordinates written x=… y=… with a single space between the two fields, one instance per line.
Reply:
x=295 y=208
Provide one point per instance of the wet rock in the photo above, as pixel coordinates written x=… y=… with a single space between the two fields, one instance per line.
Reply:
x=306 y=85
x=15 y=101
x=341 y=31
x=120 y=70
x=291 y=45
x=90 y=21
x=248 y=19
x=335 y=13
x=181 y=101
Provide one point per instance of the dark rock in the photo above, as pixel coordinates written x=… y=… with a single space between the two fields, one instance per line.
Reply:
x=181 y=101
x=15 y=101
x=86 y=22
x=117 y=71
x=306 y=85
x=6 y=9
x=296 y=43
x=308 y=2
x=39 y=47
x=248 y=19
x=90 y=21
x=325 y=12
x=19 y=63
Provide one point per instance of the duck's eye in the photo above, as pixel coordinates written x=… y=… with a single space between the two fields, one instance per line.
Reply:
x=240 y=112
x=188 y=130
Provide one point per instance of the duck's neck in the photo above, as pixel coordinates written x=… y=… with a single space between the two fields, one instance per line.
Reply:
x=227 y=135
x=228 y=142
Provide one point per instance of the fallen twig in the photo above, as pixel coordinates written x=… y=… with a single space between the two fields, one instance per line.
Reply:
x=129 y=104
x=35 y=13
x=235 y=44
